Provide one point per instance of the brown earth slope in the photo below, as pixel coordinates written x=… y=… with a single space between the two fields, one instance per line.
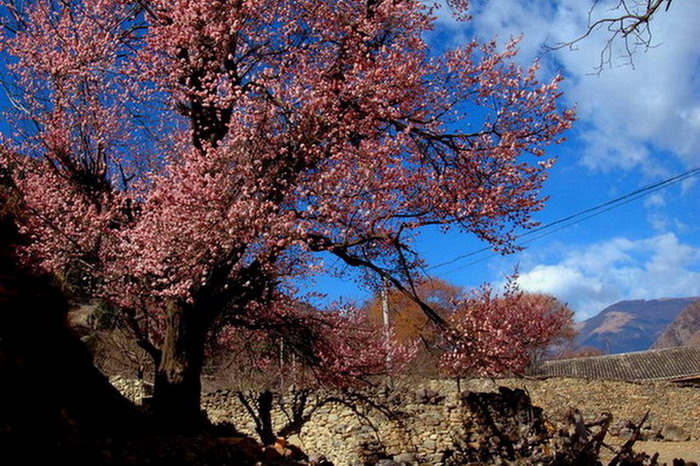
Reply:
x=684 y=331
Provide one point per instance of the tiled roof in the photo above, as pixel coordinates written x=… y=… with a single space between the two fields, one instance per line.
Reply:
x=661 y=364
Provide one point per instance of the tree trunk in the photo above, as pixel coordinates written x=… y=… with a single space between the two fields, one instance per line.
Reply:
x=177 y=387
x=265 y=431
x=260 y=409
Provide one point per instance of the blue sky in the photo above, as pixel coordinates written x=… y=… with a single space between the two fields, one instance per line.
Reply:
x=637 y=125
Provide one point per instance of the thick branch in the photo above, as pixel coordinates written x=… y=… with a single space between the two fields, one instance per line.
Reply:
x=319 y=243
x=141 y=338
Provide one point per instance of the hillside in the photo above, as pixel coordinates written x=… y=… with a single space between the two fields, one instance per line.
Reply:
x=631 y=325
x=684 y=331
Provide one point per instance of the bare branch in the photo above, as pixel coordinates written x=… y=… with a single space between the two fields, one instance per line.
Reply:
x=630 y=24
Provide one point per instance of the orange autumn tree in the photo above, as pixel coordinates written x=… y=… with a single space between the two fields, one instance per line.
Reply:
x=407 y=319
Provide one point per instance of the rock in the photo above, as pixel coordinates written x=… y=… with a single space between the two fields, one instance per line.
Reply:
x=429 y=444
x=433 y=419
x=435 y=458
x=406 y=459
x=387 y=462
x=648 y=433
x=319 y=460
x=673 y=433
x=428 y=396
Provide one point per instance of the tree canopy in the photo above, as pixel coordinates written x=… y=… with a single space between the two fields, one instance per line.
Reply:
x=187 y=161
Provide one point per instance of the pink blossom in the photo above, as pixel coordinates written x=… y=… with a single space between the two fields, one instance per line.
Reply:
x=204 y=151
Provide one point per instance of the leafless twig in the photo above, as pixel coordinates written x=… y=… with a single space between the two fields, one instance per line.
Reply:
x=629 y=24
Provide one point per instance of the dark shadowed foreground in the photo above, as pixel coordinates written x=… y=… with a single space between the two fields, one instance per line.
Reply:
x=57 y=408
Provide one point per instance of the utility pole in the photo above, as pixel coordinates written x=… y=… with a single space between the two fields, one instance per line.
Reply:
x=385 y=306
x=281 y=362
x=387 y=328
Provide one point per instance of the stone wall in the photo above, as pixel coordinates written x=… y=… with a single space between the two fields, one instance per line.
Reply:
x=422 y=423
x=133 y=389
x=416 y=426
x=667 y=403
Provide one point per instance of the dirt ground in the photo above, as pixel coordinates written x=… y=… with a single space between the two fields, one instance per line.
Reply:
x=689 y=451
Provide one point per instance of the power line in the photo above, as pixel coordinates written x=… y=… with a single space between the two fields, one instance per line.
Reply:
x=578 y=217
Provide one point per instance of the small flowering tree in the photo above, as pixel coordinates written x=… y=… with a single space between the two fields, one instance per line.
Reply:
x=338 y=349
x=487 y=333
x=188 y=160
x=491 y=335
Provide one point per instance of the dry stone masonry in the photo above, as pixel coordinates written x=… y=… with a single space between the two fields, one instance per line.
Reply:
x=432 y=422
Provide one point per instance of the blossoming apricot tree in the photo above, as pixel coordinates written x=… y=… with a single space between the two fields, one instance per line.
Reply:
x=493 y=334
x=187 y=160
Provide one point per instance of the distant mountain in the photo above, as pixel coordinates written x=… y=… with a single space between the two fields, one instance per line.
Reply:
x=631 y=325
x=684 y=331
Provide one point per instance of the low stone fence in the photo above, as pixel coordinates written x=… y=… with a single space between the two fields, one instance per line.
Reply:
x=133 y=389
x=668 y=404
x=424 y=423
x=409 y=425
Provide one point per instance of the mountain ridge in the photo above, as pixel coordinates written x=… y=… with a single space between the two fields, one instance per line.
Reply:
x=683 y=331
x=636 y=325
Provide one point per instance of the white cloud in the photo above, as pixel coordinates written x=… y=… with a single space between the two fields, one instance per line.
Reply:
x=688 y=184
x=598 y=275
x=626 y=113
x=655 y=200
x=659 y=221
